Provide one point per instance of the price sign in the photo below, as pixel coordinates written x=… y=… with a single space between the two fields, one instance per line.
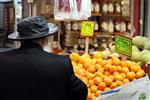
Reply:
x=123 y=45
x=87 y=28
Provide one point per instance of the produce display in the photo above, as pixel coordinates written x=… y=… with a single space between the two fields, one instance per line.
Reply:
x=102 y=74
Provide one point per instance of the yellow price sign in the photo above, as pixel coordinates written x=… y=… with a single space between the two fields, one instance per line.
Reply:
x=87 y=28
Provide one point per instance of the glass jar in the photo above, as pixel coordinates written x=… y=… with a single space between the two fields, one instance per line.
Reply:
x=75 y=26
x=105 y=8
x=96 y=8
x=110 y=8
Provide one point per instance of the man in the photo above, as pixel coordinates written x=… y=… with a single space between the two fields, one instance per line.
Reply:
x=30 y=73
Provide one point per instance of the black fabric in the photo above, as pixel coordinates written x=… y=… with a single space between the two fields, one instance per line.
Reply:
x=29 y=73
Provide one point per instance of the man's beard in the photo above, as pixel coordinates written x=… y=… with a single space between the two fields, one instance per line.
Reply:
x=47 y=48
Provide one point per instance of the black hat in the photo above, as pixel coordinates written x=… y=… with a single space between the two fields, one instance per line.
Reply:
x=33 y=28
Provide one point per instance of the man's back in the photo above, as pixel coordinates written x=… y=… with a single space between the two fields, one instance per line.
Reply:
x=29 y=73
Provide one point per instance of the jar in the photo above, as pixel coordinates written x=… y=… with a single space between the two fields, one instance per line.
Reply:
x=110 y=26
x=96 y=27
x=128 y=26
x=110 y=8
x=92 y=7
x=104 y=26
x=122 y=27
x=96 y=8
x=105 y=8
x=68 y=26
x=75 y=26
x=117 y=8
x=117 y=26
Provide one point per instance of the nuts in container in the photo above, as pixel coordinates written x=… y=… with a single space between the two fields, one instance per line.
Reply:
x=117 y=8
x=125 y=7
x=96 y=27
x=105 y=8
x=122 y=27
x=110 y=8
x=75 y=26
x=110 y=26
x=104 y=26
x=68 y=26
x=96 y=7
x=92 y=7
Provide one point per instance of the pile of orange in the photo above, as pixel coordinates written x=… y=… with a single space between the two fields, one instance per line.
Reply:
x=102 y=75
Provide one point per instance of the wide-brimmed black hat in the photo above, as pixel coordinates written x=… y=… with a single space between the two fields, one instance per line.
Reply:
x=33 y=28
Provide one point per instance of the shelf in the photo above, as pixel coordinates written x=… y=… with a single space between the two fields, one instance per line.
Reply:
x=96 y=14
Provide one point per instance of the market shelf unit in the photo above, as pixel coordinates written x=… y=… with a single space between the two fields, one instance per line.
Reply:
x=110 y=16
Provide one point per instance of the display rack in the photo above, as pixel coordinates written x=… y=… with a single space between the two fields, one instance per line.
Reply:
x=69 y=37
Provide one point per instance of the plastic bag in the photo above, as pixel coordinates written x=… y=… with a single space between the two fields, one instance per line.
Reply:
x=72 y=9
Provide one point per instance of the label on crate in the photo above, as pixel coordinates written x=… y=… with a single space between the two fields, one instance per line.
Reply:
x=87 y=28
x=123 y=45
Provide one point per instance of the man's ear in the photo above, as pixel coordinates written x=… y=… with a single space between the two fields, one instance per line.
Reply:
x=45 y=41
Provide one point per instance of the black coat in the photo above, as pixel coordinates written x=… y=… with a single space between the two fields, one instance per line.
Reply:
x=29 y=73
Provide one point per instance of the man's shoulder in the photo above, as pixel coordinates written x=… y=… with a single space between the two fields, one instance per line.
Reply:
x=57 y=56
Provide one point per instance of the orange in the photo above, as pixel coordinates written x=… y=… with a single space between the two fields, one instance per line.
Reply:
x=109 y=61
x=107 y=73
x=135 y=68
x=97 y=66
x=90 y=96
x=111 y=77
x=97 y=80
x=89 y=75
x=98 y=92
x=86 y=55
x=107 y=80
x=93 y=88
x=123 y=75
x=140 y=74
x=74 y=57
x=101 y=70
x=88 y=60
x=118 y=77
x=107 y=89
x=91 y=83
x=91 y=69
x=80 y=66
x=100 y=61
x=81 y=72
x=125 y=70
x=73 y=63
x=119 y=68
x=81 y=60
x=125 y=81
x=130 y=64
x=97 y=55
x=131 y=75
x=115 y=61
x=113 y=85
x=86 y=65
x=123 y=64
x=113 y=69
x=119 y=83
x=107 y=67
x=115 y=73
x=101 y=86
x=98 y=74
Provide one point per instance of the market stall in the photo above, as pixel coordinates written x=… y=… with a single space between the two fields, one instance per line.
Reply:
x=100 y=41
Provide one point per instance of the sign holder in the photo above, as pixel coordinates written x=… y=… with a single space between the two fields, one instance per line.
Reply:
x=87 y=31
